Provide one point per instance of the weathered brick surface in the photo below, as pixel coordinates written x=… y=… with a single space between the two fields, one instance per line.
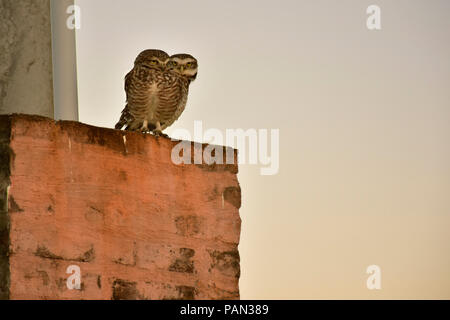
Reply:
x=138 y=226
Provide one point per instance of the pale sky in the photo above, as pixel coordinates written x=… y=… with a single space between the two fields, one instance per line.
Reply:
x=364 y=120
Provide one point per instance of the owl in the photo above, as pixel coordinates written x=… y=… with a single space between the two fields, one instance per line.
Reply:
x=153 y=93
x=183 y=64
x=185 y=67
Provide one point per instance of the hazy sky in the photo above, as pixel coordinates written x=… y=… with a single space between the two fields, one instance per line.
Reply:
x=364 y=120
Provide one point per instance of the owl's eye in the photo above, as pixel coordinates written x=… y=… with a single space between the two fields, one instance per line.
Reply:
x=189 y=64
x=153 y=61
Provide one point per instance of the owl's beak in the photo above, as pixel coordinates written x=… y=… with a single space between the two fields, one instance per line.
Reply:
x=182 y=68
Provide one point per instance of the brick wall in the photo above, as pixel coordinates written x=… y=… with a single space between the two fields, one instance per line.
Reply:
x=137 y=225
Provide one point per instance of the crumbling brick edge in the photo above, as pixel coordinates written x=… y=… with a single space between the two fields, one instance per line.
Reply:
x=6 y=156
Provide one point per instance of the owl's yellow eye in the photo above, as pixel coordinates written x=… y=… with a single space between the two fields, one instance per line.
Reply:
x=189 y=64
x=153 y=61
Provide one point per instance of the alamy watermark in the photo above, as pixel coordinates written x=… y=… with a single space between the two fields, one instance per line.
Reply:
x=252 y=144
x=374 y=280
x=74 y=280
x=373 y=21
x=74 y=19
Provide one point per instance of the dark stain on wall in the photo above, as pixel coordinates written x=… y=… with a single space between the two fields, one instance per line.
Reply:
x=44 y=252
x=227 y=262
x=183 y=262
x=233 y=196
x=6 y=156
x=186 y=292
x=188 y=225
x=124 y=290
x=13 y=206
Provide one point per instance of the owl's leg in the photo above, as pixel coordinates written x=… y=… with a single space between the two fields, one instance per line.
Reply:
x=158 y=132
x=144 y=127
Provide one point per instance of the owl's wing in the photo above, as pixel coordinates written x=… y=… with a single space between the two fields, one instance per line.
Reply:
x=128 y=78
x=126 y=117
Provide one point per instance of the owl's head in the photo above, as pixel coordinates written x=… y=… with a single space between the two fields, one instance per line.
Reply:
x=152 y=58
x=183 y=64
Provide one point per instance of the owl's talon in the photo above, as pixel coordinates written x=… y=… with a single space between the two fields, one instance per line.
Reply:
x=158 y=133
x=144 y=127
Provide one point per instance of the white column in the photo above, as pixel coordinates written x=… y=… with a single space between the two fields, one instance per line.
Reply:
x=64 y=61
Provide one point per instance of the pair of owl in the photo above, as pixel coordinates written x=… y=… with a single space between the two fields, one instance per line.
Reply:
x=156 y=89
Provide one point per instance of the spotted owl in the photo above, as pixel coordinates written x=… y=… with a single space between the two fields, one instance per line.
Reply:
x=184 y=66
x=154 y=94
